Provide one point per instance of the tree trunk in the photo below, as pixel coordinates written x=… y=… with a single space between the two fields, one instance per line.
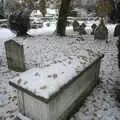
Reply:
x=111 y=15
x=61 y=24
x=118 y=46
x=43 y=7
x=2 y=2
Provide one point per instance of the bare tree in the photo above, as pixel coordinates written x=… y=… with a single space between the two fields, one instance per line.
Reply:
x=61 y=24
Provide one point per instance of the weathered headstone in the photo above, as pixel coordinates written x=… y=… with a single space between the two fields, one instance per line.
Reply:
x=117 y=30
x=15 y=56
x=76 y=26
x=82 y=29
x=94 y=26
x=101 y=32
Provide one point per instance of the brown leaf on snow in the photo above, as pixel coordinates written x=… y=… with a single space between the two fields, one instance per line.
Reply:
x=37 y=74
x=25 y=82
x=69 y=62
x=11 y=111
x=49 y=76
x=11 y=116
x=54 y=76
x=43 y=87
x=19 y=81
x=9 y=97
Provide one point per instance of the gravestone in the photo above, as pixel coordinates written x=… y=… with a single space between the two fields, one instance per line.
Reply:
x=117 y=30
x=94 y=26
x=76 y=26
x=82 y=29
x=101 y=32
x=15 y=56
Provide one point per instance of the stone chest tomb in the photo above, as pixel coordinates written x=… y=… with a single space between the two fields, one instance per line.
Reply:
x=53 y=92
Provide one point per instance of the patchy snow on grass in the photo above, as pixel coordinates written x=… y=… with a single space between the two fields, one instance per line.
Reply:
x=42 y=50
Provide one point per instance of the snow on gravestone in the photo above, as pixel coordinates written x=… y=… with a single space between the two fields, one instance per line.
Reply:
x=15 y=56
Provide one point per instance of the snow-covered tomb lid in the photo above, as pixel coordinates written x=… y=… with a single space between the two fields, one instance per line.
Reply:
x=45 y=82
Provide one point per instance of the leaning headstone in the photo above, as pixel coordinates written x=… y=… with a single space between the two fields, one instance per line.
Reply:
x=101 y=32
x=94 y=26
x=76 y=26
x=117 y=30
x=15 y=56
x=82 y=29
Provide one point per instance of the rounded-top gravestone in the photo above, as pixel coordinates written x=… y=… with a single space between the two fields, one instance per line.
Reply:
x=82 y=29
x=94 y=26
x=101 y=32
x=76 y=26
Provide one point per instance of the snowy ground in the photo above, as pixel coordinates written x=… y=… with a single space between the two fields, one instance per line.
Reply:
x=41 y=50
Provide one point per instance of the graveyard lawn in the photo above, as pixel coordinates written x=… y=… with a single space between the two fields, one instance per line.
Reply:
x=43 y=50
